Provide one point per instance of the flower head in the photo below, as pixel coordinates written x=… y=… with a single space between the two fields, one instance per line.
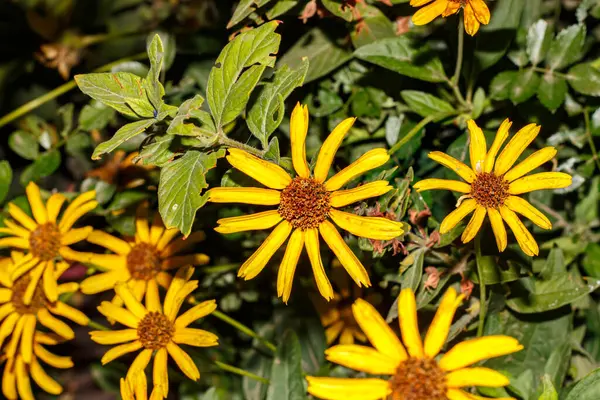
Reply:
x=305 y=206
x=45 y=238
x=476 y=12
x=414 y=373
x=143 y=261
x=155 y=329
x=492 y=185
x=122 y=171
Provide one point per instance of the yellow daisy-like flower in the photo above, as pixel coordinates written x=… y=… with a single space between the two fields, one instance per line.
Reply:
x=143 y=261
x=155 y=329
x=45 y=238
x=476 y=12
x=305 y=205
x=414 y=372
x=492 y=185
x=18 y=320
x=16 y=379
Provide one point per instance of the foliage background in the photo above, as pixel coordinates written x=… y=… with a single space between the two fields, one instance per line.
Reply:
x=537 y=61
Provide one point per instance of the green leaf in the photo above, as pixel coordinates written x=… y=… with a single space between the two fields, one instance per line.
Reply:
x=494 y=273
x=323 y=55
x=6 y=176
x=43 y=166
x=25 y=144
x=501 y=85
x=158 y=150
x=567 y=47
x=374 y=25
x=525 y=86
x=554 y=265
x=539 y=39
x=154 y=89
x=122 y=91
x=339 y=9
x=586 y=389
x=412 y=268
x=280 y=8
x=128 y=198
x=186 y=111
x=478 y=103
x=180 y=187
x=268 y=110
x=125 y=133
x=552 y=91
x=426 y=104
x=95 y=115
x=400 y=55
x=591 y=261
x=585 y=78
x=237 y=71
x=244 y=9
x=287 y=380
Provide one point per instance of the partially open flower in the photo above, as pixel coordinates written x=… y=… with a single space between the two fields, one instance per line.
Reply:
x=476 y=12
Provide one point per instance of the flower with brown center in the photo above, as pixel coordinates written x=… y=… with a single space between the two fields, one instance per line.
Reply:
x=46 y=237
x=414 y=372
x=476 y=12
x=155 y=329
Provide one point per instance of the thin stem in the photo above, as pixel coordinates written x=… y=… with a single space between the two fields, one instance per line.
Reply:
x=416 y=130
x=241 y=372
x=545 y=71
x=216 y=269
x=244 y=329
x=482 y=296
x=95 y=325
x=588 y=133
x=62 y=89
x=459 y=55
x=225 y=141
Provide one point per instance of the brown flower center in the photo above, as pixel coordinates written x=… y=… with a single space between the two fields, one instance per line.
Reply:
x=155 y=331
x=304 y=203
x=418 y=379
x=143 y=261
x=489 y=190
x=38 y=301
x=44 y=241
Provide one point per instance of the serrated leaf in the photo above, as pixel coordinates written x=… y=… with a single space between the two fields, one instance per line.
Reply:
x=186 y=110
x=6 y=175
x=155 y=89
x=426 y=104
x=585 y=78
x=552 y=91
x=237 y=71
x=525 y=85
x=554 y=265
x=158 y=151
x=268 y=111
x=180 y=188
x=501 y=85
x=400 y=55
x=287 y=380
x=124 y=133
x=539 y=39
x=586 y=389
x=567 y=47
x=43 y=166
x=25 y=144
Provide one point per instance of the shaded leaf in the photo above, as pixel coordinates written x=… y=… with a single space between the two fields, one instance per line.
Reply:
x=125 y=133
x=43 y=166
x=6 y=176
x=567 y=47
x=552 y=91
x=525 y=85
x=25 y=144
x=426 y=104
x=586 y=389
x=539 y=39
x=287 y=380
x=585 y=78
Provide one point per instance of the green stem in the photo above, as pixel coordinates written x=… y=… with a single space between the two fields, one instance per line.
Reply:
x=95 y=325
x=225 y=141
x=62 y=89
x=545 y=71
x=216 y=269
x=482 y=296
x=241 y=372
x=244 y=329
x=459 y=56
x=588 y=133
x=411 y=133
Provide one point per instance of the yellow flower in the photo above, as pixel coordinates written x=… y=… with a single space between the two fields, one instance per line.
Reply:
x=155 y=329
x=493 y=185
x=19 y=320
x=476 y=12
x=46 y=238
x=141 y=262
x=16 y=381
x=413 y=370
x=305 y=204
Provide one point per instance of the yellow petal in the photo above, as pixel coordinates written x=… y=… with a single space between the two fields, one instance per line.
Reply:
x=182 y=276
x=515 y=148
x=477 y=145
x=523 y=207
x=269 y=174
x=498 y=228
x=541 y=181
x=341 y=198
x=474 y=224
x=472 y=24
x=181 y=296
x=160 y=373
x=142 y=229
x=451 y=9
x=104 y=261
x=474 y=350
x=195 y=337
x=440 y=326
x=44 y=380
x=55 y=325
x=38 y=209
x=265 y=197
x=152 y=297
x=120 y=350
x=27 y=337
x=442 y=184
x=285 y=276
x=165 y=239
x=49 y=282
x=409 y=326
x=346 y=257
x=182 y=244
x=252 y=222
x=377 y=228
x=114 y=337
x=478 y=376
x=102 y=282
x=119 y=314
x=378 y=332
x=361 y=358
x=523 y=236
x=348 y=388
x=530 y=163
x=198 y=311
x=257 y=261
x=23 y=383
x=67 y=222
x=109 y=242
x=428 y=13
x=21 y=217
x=130 y=301
x=15 y=242
x=183 y=361
x=481 y=10
x=298 y=130
x=54 y=205
x=9 y=381
x=457 y=166
x=156 y=229
x=75 y=235
x=371 y=159
x=457 y=394
x=180 y=261
x=311 y=239
x=419 y=3
x=452 y=219
x=78 y=202
x=330 y=147
x=499 y=140
x=35 y=275
x=332 y=332
x=65 y=310
x=14 y=229
x=52 y=359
